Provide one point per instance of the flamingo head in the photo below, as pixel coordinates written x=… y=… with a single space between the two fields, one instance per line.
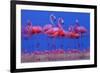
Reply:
x=52 y=18
x=29 y=23
x=61 y=21
x=77 y=22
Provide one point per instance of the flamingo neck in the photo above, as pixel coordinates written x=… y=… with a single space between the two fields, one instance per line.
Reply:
x=59 y=24
x=51 y=20
x=29 y=24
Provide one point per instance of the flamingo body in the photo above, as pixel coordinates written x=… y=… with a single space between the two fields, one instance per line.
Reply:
x=80 y=29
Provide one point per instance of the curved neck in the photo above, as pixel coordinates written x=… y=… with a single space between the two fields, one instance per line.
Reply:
x=59 y=24
x=51 y=20
x=77 y=23
x=29 y=23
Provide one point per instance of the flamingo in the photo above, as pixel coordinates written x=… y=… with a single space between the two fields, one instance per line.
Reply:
x=71 y=33
x=61 y=30
x=79 y=29
x=30 y=30
x=27 y=30
x=47 y=28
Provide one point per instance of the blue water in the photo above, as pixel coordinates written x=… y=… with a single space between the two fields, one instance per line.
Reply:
x=42 y=42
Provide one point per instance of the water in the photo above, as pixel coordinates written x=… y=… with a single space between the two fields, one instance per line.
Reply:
x=41 y=42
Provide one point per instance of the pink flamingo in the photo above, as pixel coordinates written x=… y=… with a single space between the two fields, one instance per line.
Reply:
x=79 y=29
x=72 y=34
x=47 y=28
x=30 y=30
x=61 y=30
x=50 y=30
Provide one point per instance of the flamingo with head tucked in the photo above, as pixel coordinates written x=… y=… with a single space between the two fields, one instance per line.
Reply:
x=47 y=29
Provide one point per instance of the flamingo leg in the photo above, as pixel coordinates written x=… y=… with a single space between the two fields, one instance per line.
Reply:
x=54 y=44
x=61 y=43
x=79 y=43
x=37 y=44
x=48 y=43
x=82 y=41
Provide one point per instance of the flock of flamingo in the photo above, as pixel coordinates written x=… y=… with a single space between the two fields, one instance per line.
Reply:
x=55 y=31
x=74 y=32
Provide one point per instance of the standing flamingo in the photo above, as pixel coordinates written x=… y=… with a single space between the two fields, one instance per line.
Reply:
x=47 y=27
x=79 y=29
x=27 y=30
x=52 y=19
x=30 y=30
